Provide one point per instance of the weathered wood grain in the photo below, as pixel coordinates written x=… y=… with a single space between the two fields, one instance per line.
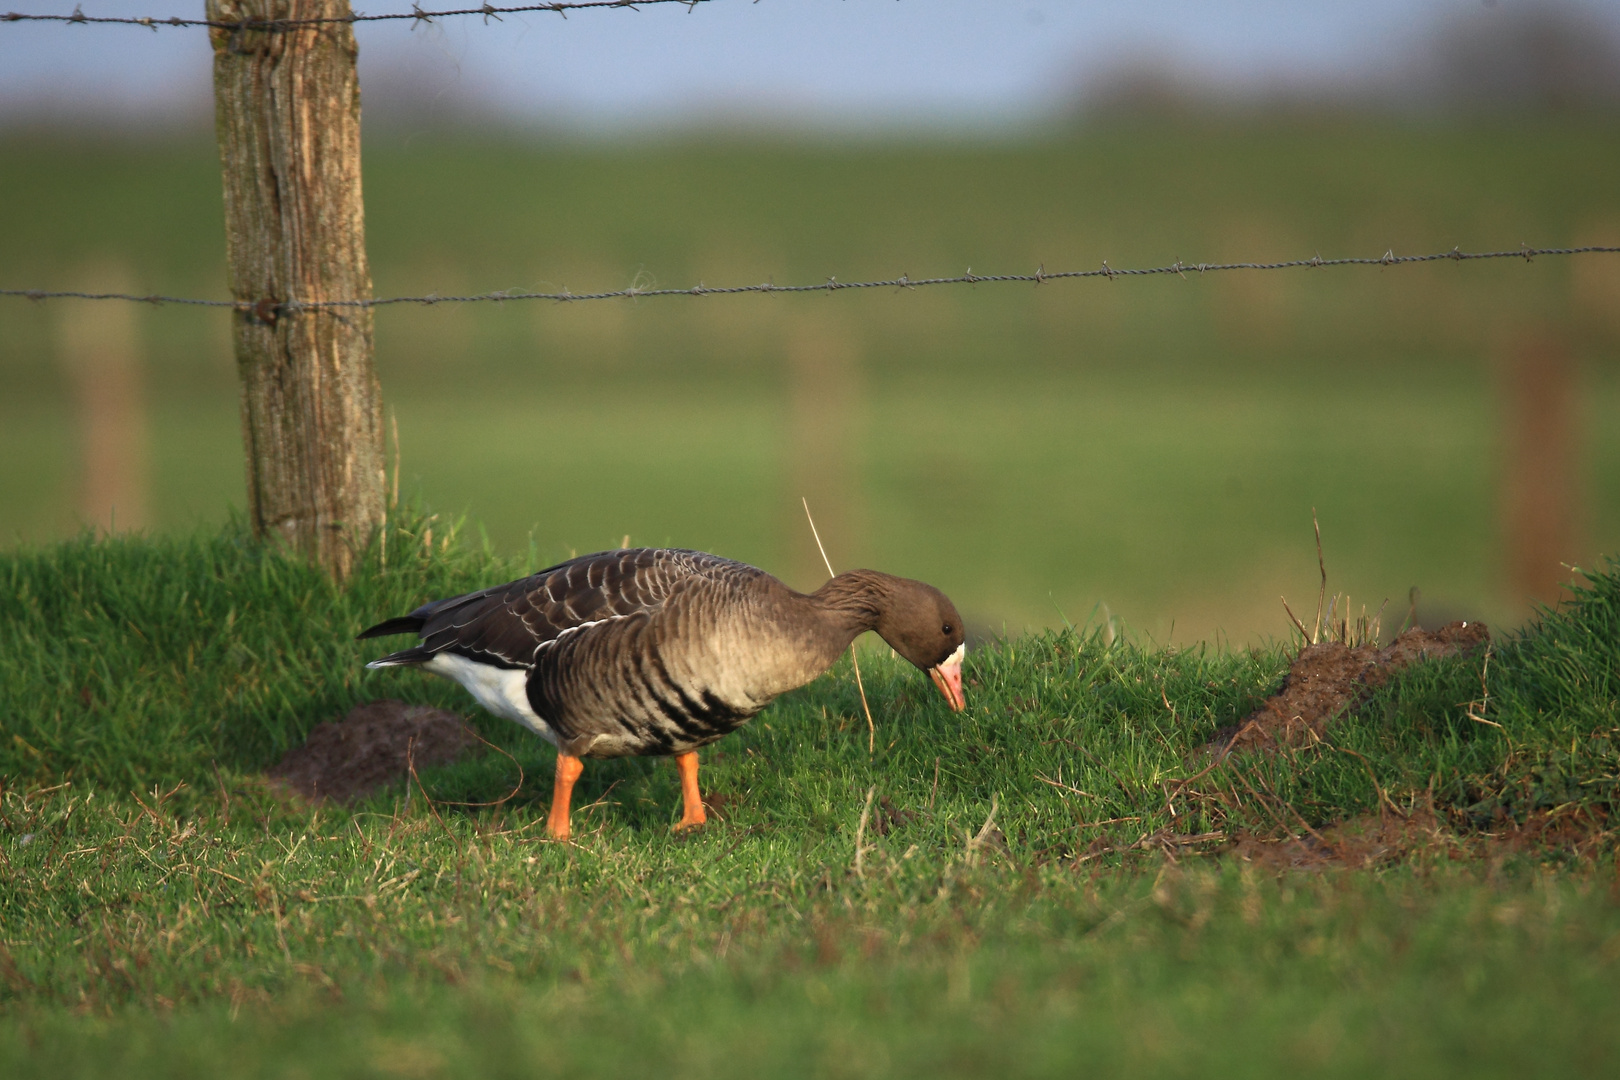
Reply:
x=287 y=113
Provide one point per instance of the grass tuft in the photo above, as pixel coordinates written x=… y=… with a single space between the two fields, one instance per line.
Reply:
x=135 y=661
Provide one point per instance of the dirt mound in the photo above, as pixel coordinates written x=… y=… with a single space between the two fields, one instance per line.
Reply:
x=371 y=748
x=1330 y=677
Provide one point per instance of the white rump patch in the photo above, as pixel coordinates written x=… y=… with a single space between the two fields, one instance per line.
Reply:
x=501 y=691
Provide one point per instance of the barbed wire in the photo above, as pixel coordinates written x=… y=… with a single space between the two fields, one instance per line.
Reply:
x=269 y=308
x=416 y=14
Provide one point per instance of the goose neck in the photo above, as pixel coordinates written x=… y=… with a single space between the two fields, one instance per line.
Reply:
x=853 y=602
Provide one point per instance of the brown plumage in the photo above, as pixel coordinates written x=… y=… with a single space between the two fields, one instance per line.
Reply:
x=661 y=651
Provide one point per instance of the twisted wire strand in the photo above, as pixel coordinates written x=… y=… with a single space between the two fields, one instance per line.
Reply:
x=269 y=308
x=416 y=14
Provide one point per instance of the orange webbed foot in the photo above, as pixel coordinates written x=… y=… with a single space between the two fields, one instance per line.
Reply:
x=694 y=815
x=562 y=793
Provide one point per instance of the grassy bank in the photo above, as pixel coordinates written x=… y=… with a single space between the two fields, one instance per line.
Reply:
x=997 y=910
x=136 y=662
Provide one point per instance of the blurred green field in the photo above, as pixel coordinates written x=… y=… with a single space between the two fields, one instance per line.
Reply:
x=1154 y=446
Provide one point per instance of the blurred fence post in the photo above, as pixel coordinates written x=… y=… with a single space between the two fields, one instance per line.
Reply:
x=99 y=350
x=287 y=113
x=1540 y=481
x=823 y=395
x=1595 y=282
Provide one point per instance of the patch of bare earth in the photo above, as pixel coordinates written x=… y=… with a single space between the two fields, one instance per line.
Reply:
x=372 y=747
x=1328 y=679
x=1325 y=682
x=1375 y=840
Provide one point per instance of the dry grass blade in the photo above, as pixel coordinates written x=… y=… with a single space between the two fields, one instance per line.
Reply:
x=1162 y=840
x=860 y=833
x=1062 y=786
x=410 y=764
x=1476 y=709
x=1321 y=597
x=508 y=797
x=1305 y=635
x=979 y=840
x=1413 y=595
x=871 y=728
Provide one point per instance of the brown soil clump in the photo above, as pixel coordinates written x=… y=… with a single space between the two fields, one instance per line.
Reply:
x=1371 y=841
x=1328 y=678
x=1359 y=844
x=371 y=748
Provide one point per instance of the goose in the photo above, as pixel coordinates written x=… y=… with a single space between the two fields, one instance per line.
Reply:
x=662 y=651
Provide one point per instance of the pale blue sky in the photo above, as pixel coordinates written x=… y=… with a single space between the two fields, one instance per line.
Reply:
x=975 y=64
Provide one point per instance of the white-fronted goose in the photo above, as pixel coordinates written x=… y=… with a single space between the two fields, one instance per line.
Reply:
x=661 y=651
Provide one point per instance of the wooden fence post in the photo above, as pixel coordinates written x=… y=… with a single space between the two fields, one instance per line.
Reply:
x=823 y=399
x=287 y=113
x=99 y=347
x=1540 y=484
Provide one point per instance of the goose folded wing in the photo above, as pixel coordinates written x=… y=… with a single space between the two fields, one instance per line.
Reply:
x=507 y=625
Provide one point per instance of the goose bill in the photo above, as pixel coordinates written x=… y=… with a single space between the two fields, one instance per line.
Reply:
x=948 y=677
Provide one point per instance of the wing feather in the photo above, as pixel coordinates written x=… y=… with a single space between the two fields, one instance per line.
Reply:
x=509 y=624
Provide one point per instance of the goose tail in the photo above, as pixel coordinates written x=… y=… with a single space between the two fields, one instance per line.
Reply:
x=405 y=624
x=404 y=658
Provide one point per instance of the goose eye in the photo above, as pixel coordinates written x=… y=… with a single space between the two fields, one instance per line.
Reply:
x=946 y=628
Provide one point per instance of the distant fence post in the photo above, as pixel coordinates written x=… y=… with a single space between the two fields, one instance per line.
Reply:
x=1541 y=486
x=99 y=348
x=823 y=396
x=287 y=113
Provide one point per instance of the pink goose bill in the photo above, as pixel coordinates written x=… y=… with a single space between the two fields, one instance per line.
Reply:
x=948 y=677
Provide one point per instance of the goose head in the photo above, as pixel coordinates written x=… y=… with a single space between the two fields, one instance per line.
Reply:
x=921 y=624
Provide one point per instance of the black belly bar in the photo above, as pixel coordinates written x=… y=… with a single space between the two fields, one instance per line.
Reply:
x=699 y=719
x=655 y=717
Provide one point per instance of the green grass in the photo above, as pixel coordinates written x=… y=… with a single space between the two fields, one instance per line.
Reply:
x=1155 y=446
x=146 y=930
x=533 y=961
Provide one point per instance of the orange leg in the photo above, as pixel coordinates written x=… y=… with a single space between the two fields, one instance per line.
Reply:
x=687 y=763
x=562 y=793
